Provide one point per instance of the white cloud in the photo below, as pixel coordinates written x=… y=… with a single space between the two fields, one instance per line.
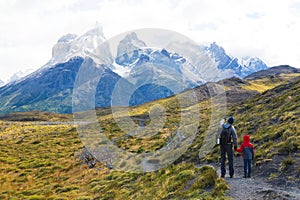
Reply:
x=266 y=29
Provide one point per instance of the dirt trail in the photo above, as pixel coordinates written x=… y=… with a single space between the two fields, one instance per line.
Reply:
x=256 y=187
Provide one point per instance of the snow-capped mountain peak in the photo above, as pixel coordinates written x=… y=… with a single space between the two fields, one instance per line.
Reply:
x=216 y=49
x=128 y=49
x=71 y=45
x=152 y=70
x=67 y=38
x=250 y=61
x=231 y=66
x=252 y=64
x=20 y=74
x=219 y=55
x=96 y=31
x=132 y=39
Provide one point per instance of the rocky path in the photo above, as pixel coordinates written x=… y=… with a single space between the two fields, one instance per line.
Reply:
x=256 y=187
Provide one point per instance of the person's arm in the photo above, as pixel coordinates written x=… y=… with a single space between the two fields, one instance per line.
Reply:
x=240 y=150
x=233 y=132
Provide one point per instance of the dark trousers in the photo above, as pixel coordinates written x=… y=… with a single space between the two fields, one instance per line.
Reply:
x=226 y=149
x=247 y=167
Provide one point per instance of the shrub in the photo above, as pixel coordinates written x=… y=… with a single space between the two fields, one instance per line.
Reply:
x=185 y=175
x=286 y=163
x=290 y=145
x=272 y=176
x=220 y=188
x=36 y=197
x=208 y=178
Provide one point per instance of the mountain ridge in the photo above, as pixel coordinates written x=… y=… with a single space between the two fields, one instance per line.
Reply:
x=276 y=70
x=158 y=70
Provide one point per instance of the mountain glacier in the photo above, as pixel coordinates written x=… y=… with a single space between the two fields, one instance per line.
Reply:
x=153 y=73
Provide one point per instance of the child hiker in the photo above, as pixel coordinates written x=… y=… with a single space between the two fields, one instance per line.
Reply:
x=248 y=154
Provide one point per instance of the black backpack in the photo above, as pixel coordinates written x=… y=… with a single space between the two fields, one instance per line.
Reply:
x=225 y=136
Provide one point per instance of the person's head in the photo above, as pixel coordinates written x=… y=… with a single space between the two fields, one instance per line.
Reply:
x=230 y=120
x=246 y=138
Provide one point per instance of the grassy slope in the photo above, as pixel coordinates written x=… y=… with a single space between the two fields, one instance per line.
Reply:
x=26 y=165
x=280 y=110
x=43 y=165
x=266 y=83
x=240 y=89
x=272 y=119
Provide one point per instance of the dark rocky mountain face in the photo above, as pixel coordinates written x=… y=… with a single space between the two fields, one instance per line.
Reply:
x=51 y=89
x=45 y=90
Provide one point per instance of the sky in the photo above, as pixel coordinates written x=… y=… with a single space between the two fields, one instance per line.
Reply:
x=268 y=29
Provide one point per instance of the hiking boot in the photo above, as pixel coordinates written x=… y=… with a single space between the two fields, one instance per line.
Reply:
x=249 y=176
x=245 y=176
x=231 y=176
x=222 y=176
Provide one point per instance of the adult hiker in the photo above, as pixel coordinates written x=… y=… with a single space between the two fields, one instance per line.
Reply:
x=228 y=139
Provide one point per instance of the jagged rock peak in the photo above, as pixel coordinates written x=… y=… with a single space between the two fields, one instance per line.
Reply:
x=71 y=45
x=97 y=30
x=67 y=38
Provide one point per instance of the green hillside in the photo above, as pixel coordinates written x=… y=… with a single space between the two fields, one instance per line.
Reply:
x=272 y=119
x=42 y=161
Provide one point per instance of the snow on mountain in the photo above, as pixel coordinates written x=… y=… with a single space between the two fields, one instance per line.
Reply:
x=20 y=74
x=155 y=72
x=67 y=38
x=133 y=53
x=218 y=54
x=251 y=65
x=142 y=65
x=121 y=70
x=1 y=83
x=231 y=66
x=89 y=44
x=128 y=49
x=62 y=48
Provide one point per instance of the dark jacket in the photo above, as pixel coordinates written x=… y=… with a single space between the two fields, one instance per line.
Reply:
x=246 y=148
